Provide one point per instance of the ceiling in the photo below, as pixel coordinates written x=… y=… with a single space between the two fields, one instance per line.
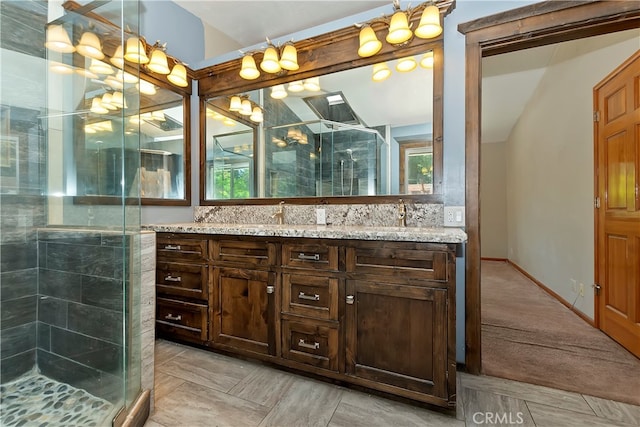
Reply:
x=509 y=80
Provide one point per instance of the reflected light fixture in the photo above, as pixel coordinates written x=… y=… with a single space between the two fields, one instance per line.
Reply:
x=178 y=76
x=135 y=51
x=116 y=58
x=427 y=60
x=158 y=62
x=107 y=102
x=58 y=40
x=406 y=64
x=90 y=46
x=256 y=115
x=235 y=104
x=123 y=76
x=312 y=84
x=278 y=92
x=228 y=122
x=296 y=86
x=399 y=31
x=99 y=67
x=246 y=109
x=97 y=107
x=86 y=73
x=369 y=43
x=146 y=88
x=114 y=82
x=249 y=71
x=270 y=62
x=118 y=100
x=60 y=68
x=381 y=72
x=289 y=59
x=429 y=26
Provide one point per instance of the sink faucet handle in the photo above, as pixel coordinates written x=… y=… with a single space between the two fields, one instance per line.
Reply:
x=402 y=214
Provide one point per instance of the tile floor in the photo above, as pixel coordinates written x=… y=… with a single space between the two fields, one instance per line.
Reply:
x=196 y=388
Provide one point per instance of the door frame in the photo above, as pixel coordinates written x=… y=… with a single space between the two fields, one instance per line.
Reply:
x=530 y=26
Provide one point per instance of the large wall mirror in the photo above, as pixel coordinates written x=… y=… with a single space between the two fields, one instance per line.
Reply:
x=325 y=133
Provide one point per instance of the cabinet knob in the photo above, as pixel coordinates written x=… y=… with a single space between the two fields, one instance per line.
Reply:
x=350 y=299
x=271 y=289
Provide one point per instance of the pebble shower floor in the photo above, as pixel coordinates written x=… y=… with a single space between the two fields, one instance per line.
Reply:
x=35 y=400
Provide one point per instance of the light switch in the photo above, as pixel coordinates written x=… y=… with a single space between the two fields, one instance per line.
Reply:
x=321 y=217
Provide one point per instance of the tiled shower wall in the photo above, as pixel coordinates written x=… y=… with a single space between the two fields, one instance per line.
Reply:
x=19 y=218
x=80 y=309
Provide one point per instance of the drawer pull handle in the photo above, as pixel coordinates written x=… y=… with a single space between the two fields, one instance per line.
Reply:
x=172 y=317
x=271 y=289
x=350 y=299
x=314 y=257
x=173 y=279
x=314 y=297
x=172 y=247
x=314 y=346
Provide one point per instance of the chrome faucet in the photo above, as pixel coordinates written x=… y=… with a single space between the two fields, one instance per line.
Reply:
x=402 y=214
x=279 y=214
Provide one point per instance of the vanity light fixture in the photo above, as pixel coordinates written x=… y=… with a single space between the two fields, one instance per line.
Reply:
x=90 y=46
x=146 y=88
x=107 y=102
x=158 y=62
x=123 y=76
x=289 y=58
x=178 y=76
x=119 y=100
x=58 y=40
x=399 y=27
x=84 y=72
x=114 y=82
x=270 y=62
x=249 y=71
x=369 y=43
x=135 y=51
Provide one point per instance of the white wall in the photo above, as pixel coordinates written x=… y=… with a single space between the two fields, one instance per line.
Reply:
x=493 y=200
x=550 y=168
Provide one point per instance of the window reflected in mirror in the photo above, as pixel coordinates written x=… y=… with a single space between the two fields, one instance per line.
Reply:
x=335 y=135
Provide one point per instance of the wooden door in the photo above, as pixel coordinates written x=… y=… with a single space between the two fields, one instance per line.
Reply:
x=617 y=162
x=244 y=309
x=397 y=335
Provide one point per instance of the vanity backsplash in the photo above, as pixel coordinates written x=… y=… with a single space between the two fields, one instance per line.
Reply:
x=380 y=215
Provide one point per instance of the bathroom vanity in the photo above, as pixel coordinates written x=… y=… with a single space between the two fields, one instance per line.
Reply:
x=374 y=307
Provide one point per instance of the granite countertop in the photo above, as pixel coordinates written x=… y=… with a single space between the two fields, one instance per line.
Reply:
x=406 y=234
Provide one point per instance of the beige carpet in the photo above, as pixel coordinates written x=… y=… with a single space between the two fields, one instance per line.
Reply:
x=529 y=336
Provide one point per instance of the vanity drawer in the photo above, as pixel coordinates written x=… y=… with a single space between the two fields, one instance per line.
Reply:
x=180 y=249
x=310 y=343
x=245 y=252
x=312 y=296
x=184 y=280
x=321 y=257
x=181 y=319
x=398 y=259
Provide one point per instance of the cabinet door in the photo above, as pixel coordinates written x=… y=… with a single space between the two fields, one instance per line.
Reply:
x=244 y=309
x=397 y=335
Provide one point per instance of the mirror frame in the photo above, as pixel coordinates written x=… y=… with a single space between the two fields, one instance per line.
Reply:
x=317 y=56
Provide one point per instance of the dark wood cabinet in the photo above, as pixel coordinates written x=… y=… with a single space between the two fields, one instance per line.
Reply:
x=377 y=314
x=244 y=309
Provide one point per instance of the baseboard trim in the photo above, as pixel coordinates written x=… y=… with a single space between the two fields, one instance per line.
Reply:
x=553 y=294
x=494 y=259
